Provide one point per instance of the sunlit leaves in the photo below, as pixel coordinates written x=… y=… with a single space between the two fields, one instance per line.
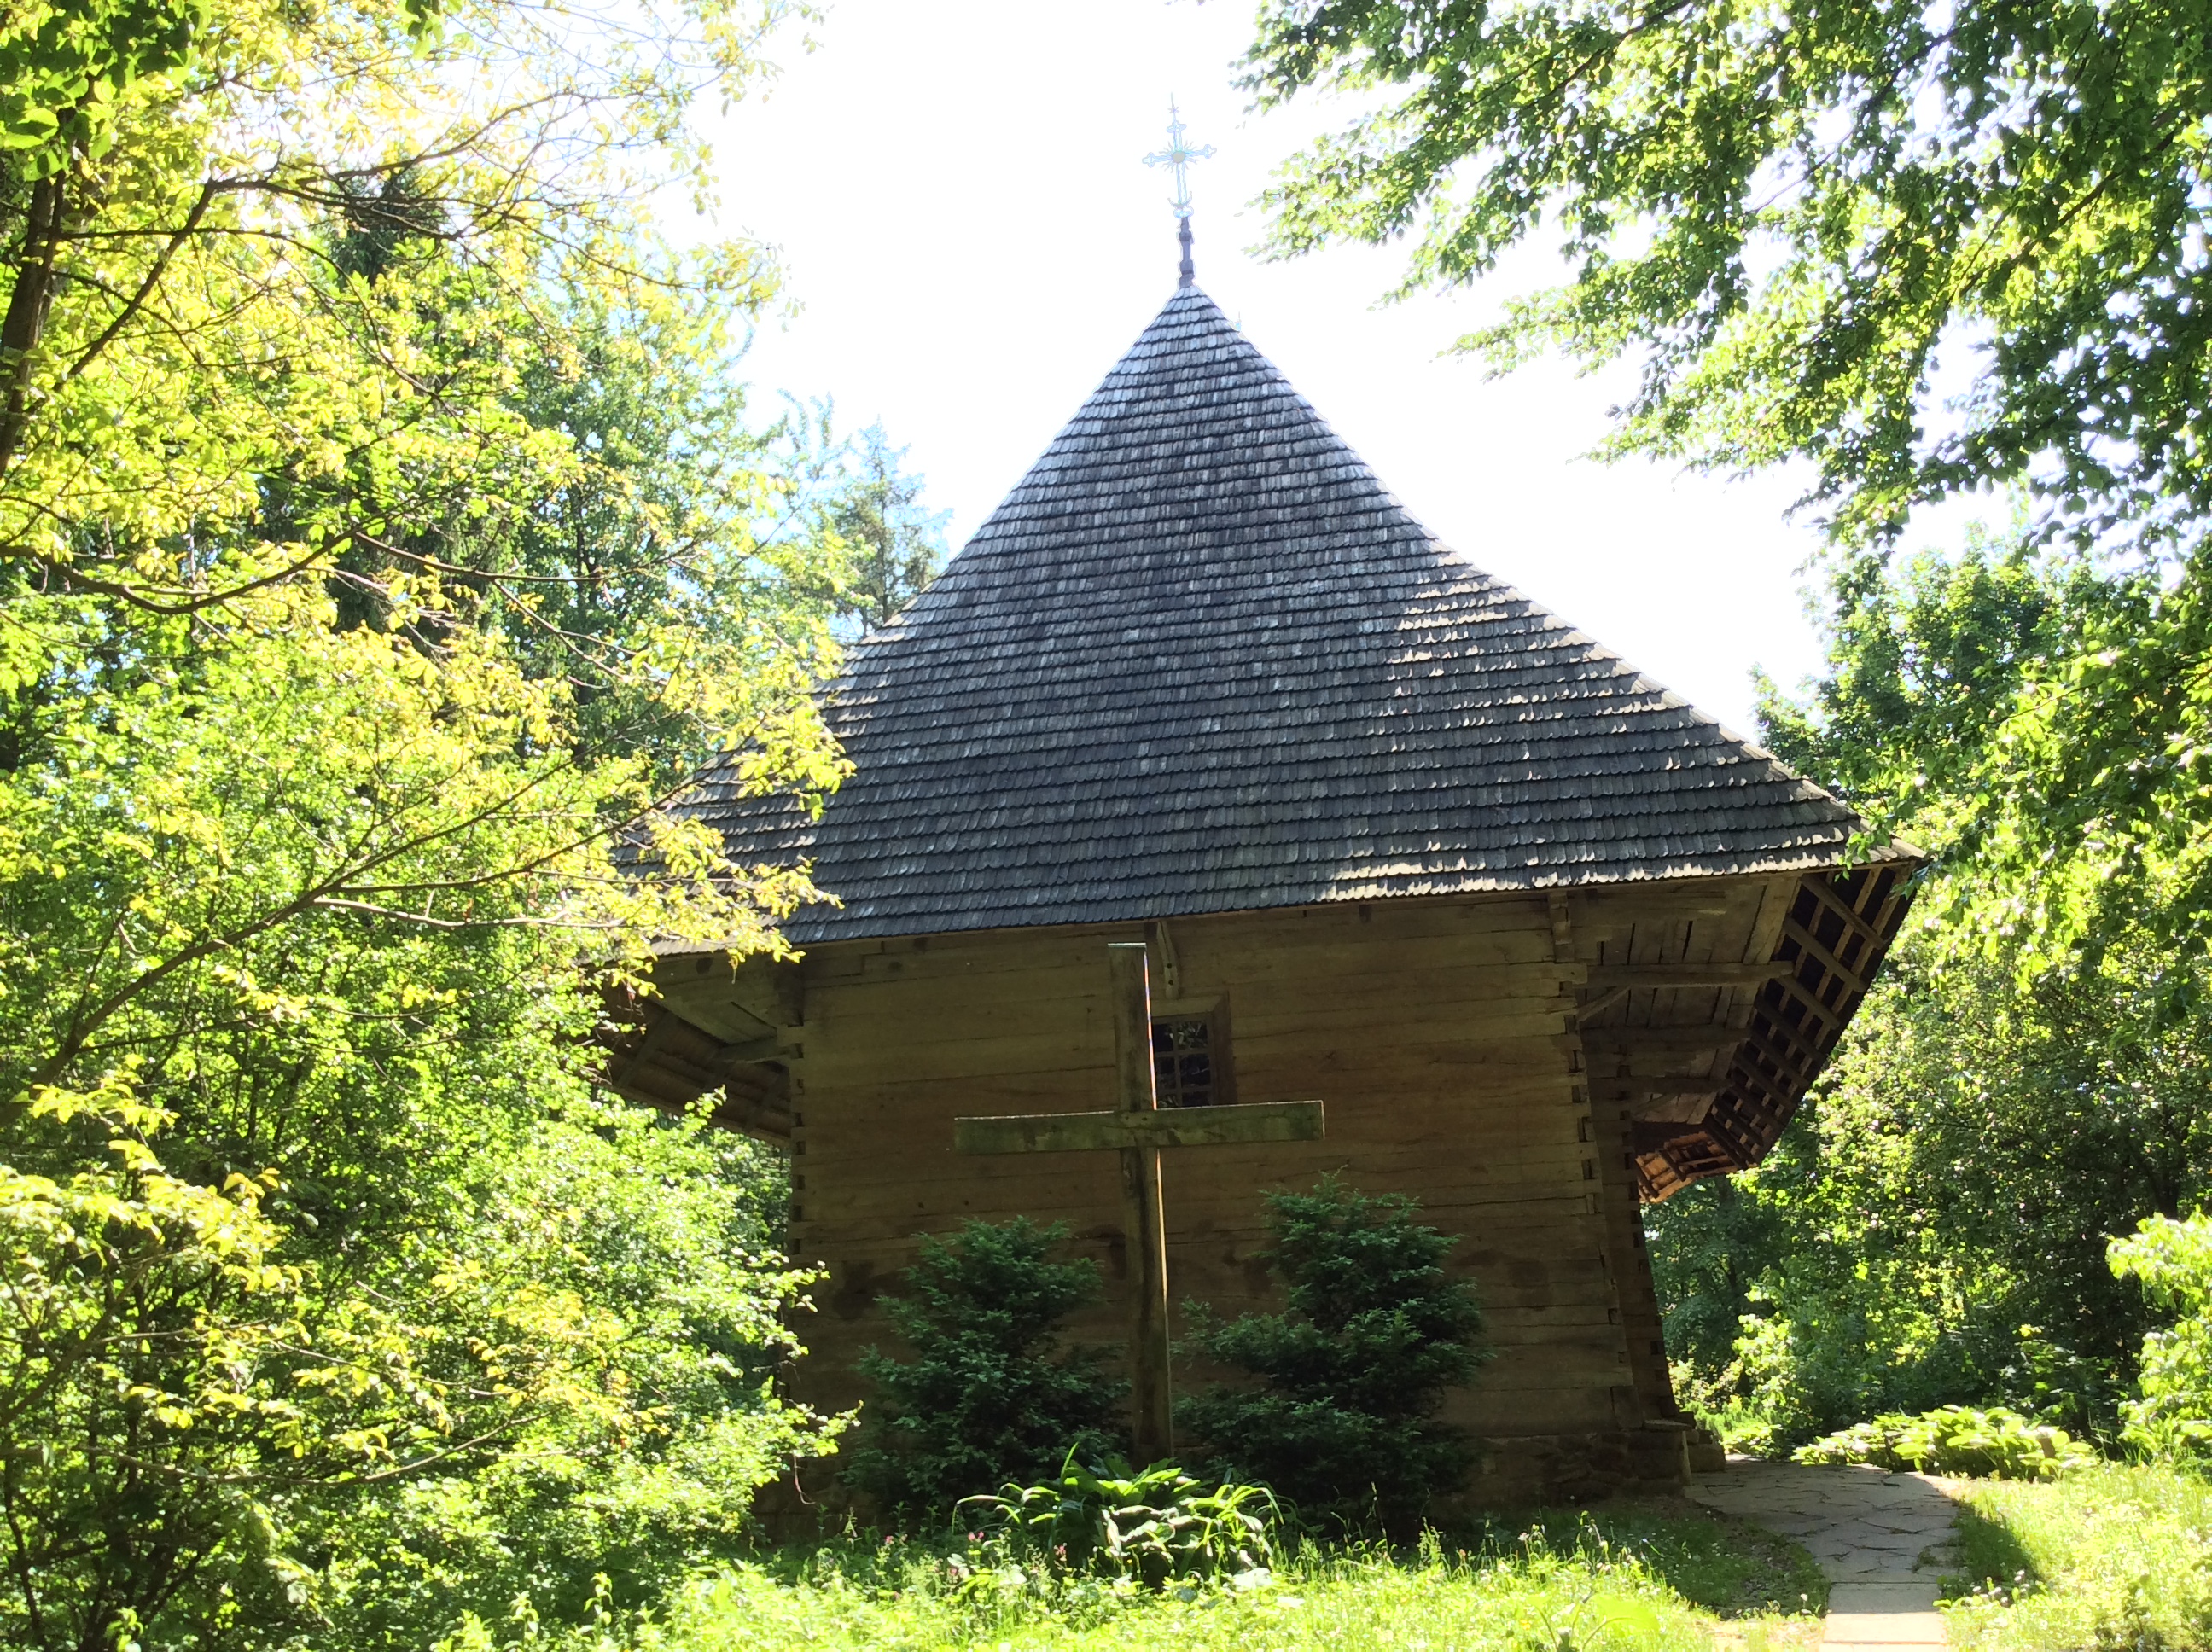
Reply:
x=1809 y=222
x=2173 y=1260
x=382 y=539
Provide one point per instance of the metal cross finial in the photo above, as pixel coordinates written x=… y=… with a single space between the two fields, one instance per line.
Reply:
x=1179 y=155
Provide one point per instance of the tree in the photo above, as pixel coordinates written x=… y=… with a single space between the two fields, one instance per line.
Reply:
x=357 y=611
x=1340 y=1417
x=990 y=1396
x=896 y=547
x=1793 y=214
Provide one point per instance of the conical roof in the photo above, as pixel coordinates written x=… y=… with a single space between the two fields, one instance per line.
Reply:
x=1200 y=660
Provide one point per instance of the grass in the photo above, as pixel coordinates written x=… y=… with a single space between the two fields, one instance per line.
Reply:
x=1634 y=1580
x=1728 y=1568
x=2111 y=1556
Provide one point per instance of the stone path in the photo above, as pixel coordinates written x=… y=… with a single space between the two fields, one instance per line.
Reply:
x=1880 y=1537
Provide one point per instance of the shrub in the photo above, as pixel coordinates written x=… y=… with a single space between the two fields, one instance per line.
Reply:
x=1994 y=1444
x=1151 y=1526
x=2173 y=1260
x=990 y=1395
x=1341 y=1419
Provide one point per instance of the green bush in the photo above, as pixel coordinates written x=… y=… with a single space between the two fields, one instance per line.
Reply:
x=1340 y=1417
x=1151 y=1526
x=1994 y=1444
x=2172 y=1418
x=990 y=1395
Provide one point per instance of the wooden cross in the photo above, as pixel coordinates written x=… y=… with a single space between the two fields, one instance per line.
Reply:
x=1139 y=1128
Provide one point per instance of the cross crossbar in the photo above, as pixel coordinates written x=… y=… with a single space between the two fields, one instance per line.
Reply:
x=1182 y=1126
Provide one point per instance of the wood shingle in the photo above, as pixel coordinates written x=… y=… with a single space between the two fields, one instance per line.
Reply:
x=1199 y=661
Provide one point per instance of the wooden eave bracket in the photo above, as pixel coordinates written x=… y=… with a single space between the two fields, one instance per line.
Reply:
x=1610 y=986
x=657 y=1058
x=1806 y=997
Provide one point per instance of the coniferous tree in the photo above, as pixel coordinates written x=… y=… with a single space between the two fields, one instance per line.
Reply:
x=897 y=546
x=1340 y=1417
x=990 y=1395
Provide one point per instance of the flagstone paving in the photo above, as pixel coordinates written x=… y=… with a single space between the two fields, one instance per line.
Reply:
x=1881 y=1538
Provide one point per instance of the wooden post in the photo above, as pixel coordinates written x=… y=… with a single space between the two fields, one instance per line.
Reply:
x=1145 y=1220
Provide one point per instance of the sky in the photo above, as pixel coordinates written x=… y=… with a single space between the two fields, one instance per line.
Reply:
x=970 y=240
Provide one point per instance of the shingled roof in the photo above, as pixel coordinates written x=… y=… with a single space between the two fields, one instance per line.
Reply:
x=1200 y=660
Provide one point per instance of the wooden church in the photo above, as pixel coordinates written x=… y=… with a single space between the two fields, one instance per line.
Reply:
x=1544 y=941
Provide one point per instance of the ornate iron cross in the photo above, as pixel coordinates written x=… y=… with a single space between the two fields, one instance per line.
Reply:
x=1179 y=155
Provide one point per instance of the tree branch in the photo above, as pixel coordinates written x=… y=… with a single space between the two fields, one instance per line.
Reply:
x=137 y=300
x=28 y=304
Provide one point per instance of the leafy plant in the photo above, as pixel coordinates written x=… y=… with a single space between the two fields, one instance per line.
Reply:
x=990 y=1395
x=2172 y=1417
x=1340 y=1417
x=1994 y=1444
x=1153 y=1526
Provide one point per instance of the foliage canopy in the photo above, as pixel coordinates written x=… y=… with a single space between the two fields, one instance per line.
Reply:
x=2172 y=1418
x=1799 y=218
x=382 y=539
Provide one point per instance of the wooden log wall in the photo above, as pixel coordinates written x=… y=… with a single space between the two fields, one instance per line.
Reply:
x=1439 y=1034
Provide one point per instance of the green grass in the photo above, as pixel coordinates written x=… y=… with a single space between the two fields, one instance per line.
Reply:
x=1629 y=1580
x=1729 y=1568
x=2111 y=1557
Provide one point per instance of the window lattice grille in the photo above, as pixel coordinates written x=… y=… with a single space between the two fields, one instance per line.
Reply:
x=1184 y=1070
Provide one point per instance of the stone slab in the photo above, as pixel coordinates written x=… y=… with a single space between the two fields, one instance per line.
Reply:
x=1880 y=1539
x=1858 y=1599
x=1882 y=1629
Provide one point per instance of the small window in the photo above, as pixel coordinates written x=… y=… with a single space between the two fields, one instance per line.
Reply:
x=1188 y=1062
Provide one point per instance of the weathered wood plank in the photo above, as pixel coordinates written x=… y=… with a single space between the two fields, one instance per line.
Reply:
x=854 y=1209
x=1183 y=1127
x=1396 y=922
x=1521 y=1108
x=950 y=1009
x=1631 y=977
x=1389 y=1054
x=1672 y=1041
x=1225 y=1180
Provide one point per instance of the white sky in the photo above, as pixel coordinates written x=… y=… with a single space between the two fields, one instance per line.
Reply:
x=956 y=193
